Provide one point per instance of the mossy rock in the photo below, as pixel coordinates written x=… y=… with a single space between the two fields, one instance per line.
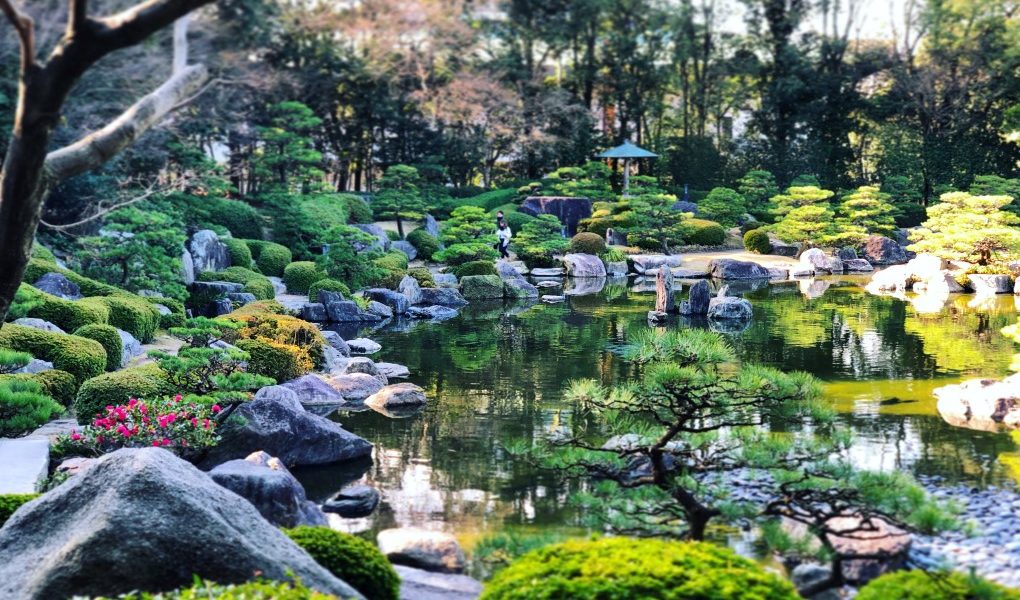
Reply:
x=423 y=276
x=350 y=558
x=107 y=336
x=475 y=267
x=481 y=287
x=254 y=283
x=921 y=585
x=79 y=356
x=146 y=381
x=649 y=569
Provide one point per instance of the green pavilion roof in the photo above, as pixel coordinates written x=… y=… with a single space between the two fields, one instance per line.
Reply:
x=627 y=150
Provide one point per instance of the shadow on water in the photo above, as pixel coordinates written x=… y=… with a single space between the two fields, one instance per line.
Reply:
x=496 y=374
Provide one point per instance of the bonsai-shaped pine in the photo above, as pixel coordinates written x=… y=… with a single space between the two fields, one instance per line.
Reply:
x=202 y=332
x=860 y=214
x=399 y=196
x=723 y=205
x=539 y=239
x=803 y=214
x=350 y=255
x=219 y=374
x=657 y=225
x=690 y=415
x=757 y=187
x=468 y=224
x=975 y=229
x=592 y=180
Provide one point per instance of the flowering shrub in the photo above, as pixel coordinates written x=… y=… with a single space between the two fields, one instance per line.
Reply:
x=185 y=426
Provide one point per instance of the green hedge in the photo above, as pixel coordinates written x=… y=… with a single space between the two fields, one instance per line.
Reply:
x=80 y=357
x=57 y=384
x=636 y=568
x=89 y=287
x=280 y=361
x=425 y=243
x=298 y=276
x=12 y=502
x=240 y=254
x=254 y=283
x=458 y=254
x=350 y=558
x=66 y=314
x=331 y=285
x=133 y=314
x=273 y=259
x=706 y=233
x=919 y=585
x=490 y=200
x=358 y=211
x=146 y=381
x=475 y=267
x=107 y=336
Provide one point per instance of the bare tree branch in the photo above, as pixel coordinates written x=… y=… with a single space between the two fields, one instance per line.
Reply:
x=102 y=209
x=26 y=32
x=77 y=15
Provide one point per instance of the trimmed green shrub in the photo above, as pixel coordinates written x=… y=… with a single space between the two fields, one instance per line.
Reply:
x=475 y=267
x=350 y=558
x=262 y=589
x=24 y=406
x=587 y=243
x=393 y=236
x=43 y=253
x=423 y=276
x=107 y=336
x=281 y=362
x=240 y=255
x=392 y=261
x=490 y=200
x=706 y=233
x=426 y=244
x=636 y=568
x=458 y=254
x=517 y=220
x=358 y=211
x=757 y=241
x=133 y=314
x=12 y=502
x=57 y=384
x=89 y=287
x=254 y=283
x=331 y=285
x=175 y=318
x=240 y=218
x=66 y=314
x=96 y=394
x=301 y=274
x=273 y=259
x=919 y=585
x=80 y=357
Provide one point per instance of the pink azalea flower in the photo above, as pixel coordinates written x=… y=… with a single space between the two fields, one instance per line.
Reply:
x=75 y=435
x=177 y=398
x=155 y=443
x=216 y=408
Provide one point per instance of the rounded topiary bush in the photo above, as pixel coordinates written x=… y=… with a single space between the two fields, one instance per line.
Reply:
x=146 y=381
x=757 y=241
x=107 y=336
x=919 y=585
x=358 y=211
x=587 y=243
x=12 y=502
x=458 y=254
x=392 y=261
x=636 y=568
x=134 y=315
x=298 y=276
x=80 y=357
x=240 y=254
x=67 y=314
x=241 y=218
x=273 y=259
x=350 y=558
x=706 y=233
x=59 y=385
x=475 y=267
x=423 y=276
x=281 y=362
x=332 y=285
x=425 y=243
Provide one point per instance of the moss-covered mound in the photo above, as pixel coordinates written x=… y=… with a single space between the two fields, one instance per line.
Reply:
x=350 y=558
x=80 y=357
x=146 y=381
x=107 y=336
x=919 y=585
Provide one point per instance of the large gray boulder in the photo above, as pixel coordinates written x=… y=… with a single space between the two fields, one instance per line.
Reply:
x=333 y=339
x=519 y=288
x=380 y=310
x=314 y=394
x=314 y=312
x=207 y=252
x=362 y=364
x=265 y=482
x=697 y=300
x=728 y=269
x=505 y=270
x=35 y=323
x=397 y=396
x=347 y=311
x=284 y=429
x=131 y=347
x=143 y=519
x=187 y=268
x=442 y=296
x=410 y=288
x=363 y=346
x=648 y=264
x=880 y=250
x=821 y=261
x=569 y=210
x=397 y=301
x=985 y=404
x=409 y=250
x=58 y=285
x=990 y=284
x=857 y=265
x=382 y=240
x=354 y=387
x=729 y=308
x=434 y=313
x=353 y=501
x=422 y=548
x=420 y=584
x=431 y=226
x=584 y=265
x=481 y=287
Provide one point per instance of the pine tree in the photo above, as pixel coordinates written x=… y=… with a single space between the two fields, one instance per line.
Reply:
x=757 y=187
x=803 y=214
x=399 y=196
x=723 y=205
x=861 y=214
x=970 y=228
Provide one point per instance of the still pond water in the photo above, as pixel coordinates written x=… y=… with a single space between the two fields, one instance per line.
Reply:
x=496 y=374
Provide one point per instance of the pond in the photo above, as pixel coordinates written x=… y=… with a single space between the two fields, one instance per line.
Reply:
x=496 y=374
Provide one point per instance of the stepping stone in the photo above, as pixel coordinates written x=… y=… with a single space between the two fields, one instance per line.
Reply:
x=424 y=585
x=25 y=462
x=363 y=346
x=552 y=299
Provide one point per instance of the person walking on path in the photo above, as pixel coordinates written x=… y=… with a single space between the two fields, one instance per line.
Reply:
x=504 y=234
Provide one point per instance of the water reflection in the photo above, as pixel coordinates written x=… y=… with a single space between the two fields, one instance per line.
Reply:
x=495 y=374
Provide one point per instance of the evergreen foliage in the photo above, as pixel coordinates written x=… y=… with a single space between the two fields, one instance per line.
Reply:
x=723 y=205
x=971 y=228
x=587 y=243
x=803 y=214
x=468 y=224
x=757 y=241
x=351 y=559
x=24 y=406
x=861 y=214
x=298 y=276
x=399 y=196
x=109 y=338
x=919 y=585
x=425 y=243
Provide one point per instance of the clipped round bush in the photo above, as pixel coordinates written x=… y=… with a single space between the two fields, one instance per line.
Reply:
x=423 y=276
x=920 y=585
x=458 y=254
x=636 y=568
x=350 y=558
x=67 y=314
x=146 y=381
x=392 y=261
x=298 y=276
x=517 y=220
x=273 y=259
x=12 y=502
x=757 y=241
x=80 y=357
x=587 y=243
x=239 y=217
x=425 y=243
x=254 y=283
x=331 y=285
x=133 y=314
x=706 y=233
x=476 y=267
x=24 y=406
x=240 y=254
x=281 y=362
x=358 y=211
x=107 y=336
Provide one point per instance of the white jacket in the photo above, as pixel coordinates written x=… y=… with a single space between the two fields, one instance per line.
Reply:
x=504 y=235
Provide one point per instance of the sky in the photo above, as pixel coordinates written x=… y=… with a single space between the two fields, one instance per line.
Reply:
x=874 y=18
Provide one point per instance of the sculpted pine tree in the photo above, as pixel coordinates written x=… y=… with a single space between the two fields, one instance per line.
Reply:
x=803 y=214
x=30 y=168
x=863 y=213
x=975 y=229
x=399 y=196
